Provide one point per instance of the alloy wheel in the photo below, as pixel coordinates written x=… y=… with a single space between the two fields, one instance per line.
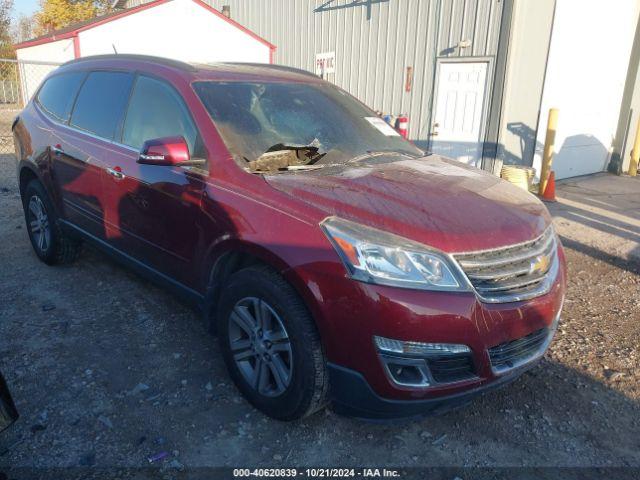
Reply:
x=39 y=224
x=260 y=346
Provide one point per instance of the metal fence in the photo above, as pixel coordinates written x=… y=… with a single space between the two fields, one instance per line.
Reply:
x=18 y=82
x=9 y=91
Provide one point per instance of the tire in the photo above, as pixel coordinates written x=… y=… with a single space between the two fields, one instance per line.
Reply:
x=295 y=347
x=49 y=242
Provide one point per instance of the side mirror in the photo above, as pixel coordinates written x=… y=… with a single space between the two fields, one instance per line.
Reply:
x=166 y=151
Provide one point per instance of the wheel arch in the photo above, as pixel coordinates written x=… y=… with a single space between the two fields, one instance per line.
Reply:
x=28 y=171
x=26 y=174
x=232 y=256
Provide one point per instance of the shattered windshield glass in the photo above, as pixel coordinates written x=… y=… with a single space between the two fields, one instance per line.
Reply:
x=291 y=126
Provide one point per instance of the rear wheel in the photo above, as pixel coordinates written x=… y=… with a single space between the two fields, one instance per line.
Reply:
x=47 y=238
x=271 y=346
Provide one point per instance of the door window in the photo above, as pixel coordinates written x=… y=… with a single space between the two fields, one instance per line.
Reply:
x=156 y=110
x=58 y=93
x=101 y=102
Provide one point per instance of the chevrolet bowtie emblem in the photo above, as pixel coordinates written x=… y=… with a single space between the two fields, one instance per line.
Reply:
x=540 y=264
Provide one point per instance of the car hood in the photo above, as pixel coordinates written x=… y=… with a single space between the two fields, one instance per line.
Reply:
x=432 y=200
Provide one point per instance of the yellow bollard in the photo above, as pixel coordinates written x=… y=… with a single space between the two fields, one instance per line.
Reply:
x=635 y=154
x=549 y=145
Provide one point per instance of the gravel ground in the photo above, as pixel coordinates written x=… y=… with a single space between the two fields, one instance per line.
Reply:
x=108 y=370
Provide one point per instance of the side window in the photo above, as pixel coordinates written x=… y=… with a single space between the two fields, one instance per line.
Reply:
x=156 y=110
x=101 y=102
x=57 y=94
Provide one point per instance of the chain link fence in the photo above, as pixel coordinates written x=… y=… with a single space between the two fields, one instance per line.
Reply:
x=18 y=82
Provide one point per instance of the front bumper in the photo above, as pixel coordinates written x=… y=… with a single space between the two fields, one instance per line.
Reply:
x=351 y=395
x=350 y=314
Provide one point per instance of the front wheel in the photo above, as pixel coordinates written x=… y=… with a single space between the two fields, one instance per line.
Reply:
x=271 y=346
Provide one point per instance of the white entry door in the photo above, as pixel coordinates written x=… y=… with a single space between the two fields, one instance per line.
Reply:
x=459 y=104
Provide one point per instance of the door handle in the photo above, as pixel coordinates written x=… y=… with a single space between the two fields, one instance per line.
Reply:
x=116 y=173
x=434 y=131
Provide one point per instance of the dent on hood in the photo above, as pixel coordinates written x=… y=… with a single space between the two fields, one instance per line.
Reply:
x=472 y=179
x=433 y=200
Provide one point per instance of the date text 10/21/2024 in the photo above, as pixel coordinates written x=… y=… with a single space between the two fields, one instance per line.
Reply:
x=316 y=472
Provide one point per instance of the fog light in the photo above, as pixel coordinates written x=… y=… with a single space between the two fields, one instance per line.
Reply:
x=406 y=374
x=389 y=345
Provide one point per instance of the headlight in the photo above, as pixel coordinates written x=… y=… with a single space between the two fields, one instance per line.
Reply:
x=378 y=257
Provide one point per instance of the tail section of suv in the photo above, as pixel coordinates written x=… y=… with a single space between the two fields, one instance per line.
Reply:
x=336 y=261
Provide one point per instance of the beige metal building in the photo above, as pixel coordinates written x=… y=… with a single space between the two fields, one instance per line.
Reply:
x=475 y=77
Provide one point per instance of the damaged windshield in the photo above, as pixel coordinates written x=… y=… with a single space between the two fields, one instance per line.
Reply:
x=294 y=126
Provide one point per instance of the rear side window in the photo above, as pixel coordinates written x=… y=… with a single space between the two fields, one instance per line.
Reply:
x=101 y=102
x=156 y=110
x=57 y=94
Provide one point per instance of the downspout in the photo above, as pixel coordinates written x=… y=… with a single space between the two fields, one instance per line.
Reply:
x=491 y=147
x=616 y=163
x=76 y=46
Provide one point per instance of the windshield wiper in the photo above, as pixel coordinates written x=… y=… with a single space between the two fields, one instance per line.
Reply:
x=292 y=168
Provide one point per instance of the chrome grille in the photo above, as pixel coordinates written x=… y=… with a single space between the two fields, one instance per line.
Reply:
x=513 y=273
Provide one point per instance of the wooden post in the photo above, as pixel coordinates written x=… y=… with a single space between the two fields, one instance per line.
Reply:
x=549 y=145
x=635 y=154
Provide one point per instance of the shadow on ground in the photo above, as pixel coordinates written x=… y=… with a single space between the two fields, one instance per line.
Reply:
x=599 y=215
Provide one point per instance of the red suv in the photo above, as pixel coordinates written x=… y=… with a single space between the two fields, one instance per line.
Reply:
x=334 y=260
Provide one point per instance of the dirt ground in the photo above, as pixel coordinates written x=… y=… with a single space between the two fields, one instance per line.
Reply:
x=108 y=370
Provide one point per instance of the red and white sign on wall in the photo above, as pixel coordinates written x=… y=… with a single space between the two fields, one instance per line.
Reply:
x=325 y=63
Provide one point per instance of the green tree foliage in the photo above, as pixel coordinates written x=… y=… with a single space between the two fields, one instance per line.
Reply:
x=6 y=41
x=57 y=14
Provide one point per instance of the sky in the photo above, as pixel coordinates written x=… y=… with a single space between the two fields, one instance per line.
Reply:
x=24 y=7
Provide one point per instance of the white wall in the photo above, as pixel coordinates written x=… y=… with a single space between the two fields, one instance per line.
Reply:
x=32 y=74
x=528 y=53
x=179 y=29
x=588 y=60
x=58 y=51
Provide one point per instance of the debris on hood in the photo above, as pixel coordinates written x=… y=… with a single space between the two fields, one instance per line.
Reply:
x=281 y=157
x=271 y=161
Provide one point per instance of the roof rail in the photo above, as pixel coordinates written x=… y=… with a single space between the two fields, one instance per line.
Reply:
x=271 y=66
x=131 y=56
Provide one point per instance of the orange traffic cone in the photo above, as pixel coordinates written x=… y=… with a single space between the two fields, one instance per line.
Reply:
x=549 y=194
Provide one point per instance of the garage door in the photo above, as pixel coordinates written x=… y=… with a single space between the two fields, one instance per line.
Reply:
x=588 y=59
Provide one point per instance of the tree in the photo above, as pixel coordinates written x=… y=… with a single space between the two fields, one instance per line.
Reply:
x=6 y=43
x=56 y=14
x=23 y=29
